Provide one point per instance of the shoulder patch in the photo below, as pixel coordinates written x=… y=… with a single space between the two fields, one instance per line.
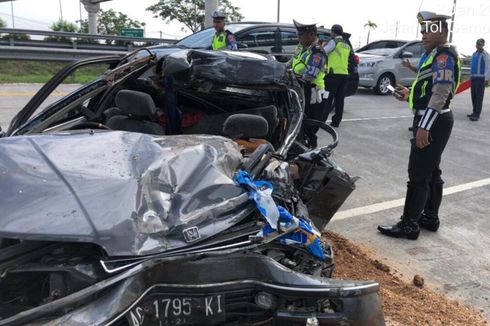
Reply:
x=442 y=61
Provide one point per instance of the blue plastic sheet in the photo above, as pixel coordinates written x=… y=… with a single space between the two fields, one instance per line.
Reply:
x=261 y=193
x=277 y=216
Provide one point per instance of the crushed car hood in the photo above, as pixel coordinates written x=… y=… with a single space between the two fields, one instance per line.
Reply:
x=130 y=193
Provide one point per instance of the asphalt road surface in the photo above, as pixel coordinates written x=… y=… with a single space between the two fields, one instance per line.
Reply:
x=374 y=145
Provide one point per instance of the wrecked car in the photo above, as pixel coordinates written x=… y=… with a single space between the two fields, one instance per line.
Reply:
x=174 y=189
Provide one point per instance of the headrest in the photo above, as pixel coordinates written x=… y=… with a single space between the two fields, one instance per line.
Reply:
x=135 y=103
x=245 y=126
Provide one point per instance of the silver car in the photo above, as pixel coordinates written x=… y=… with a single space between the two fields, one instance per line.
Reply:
x=382 y=67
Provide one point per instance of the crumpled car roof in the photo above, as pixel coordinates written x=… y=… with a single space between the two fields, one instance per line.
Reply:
x=226 y=67
x=130 y=193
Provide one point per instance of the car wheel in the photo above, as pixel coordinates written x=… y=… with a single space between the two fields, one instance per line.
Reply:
x=384 y=80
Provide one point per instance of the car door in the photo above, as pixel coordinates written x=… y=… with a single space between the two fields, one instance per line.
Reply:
x=404 y=75
x=45 y=97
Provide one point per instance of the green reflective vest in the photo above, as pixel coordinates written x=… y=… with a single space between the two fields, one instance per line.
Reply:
x=300 y=61
x=421 y=90
x=338 y=59
x=219 y=41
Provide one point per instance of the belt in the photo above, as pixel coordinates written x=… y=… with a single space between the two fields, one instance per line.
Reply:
x=421 y=112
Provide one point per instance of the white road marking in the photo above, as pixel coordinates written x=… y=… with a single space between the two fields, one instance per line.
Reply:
x=370 y=209
x=375 y=118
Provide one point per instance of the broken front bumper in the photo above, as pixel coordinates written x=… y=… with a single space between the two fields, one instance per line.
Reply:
x=253 y=288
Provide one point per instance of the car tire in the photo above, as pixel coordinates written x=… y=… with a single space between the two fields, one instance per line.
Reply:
x=383 y=81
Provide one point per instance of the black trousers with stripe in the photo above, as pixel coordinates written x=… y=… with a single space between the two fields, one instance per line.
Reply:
x=424 y=188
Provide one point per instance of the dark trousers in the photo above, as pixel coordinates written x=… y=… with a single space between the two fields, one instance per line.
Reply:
x=336 y=86
x=313 y=111
x=477 y=92
x=424 y=188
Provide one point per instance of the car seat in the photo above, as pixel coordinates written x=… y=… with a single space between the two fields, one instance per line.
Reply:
x=136 y=109
x=213 y=124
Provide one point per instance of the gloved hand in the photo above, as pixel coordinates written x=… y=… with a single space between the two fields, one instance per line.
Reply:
x=317 y=95
x=314 y=94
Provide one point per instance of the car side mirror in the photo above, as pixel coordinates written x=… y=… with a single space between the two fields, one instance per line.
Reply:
x=245 y=126
x=2 y=133
x=406 y=55
x=242 y=45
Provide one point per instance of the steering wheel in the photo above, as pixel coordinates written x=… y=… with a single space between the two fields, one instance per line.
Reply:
x=321 y=152
x=327 y=128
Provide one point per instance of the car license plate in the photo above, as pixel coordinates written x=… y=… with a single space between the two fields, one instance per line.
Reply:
x=166 y=310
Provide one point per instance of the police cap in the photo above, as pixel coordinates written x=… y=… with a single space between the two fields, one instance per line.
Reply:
x=304 y=27
x=218 y=16
x=480 y=41
x=425 y=16
x=337 y=29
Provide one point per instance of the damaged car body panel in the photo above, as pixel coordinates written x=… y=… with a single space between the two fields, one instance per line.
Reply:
x=123 y=206
x=154 y=191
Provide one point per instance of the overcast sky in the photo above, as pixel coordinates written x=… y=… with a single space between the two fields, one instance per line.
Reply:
x=472 y=16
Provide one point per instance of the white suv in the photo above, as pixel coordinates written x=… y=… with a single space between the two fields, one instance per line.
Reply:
x=381 y=67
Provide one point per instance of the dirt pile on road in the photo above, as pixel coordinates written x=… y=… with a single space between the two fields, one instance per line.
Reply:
x=403 y=302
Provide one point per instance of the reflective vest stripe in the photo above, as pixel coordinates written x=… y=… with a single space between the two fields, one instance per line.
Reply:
x=424 y=72
x=424 y=86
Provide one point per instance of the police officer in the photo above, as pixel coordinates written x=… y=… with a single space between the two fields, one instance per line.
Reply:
x=309 y=63
x=480 y=72
x=338 y=52
x=430 y=97
x=223 y=39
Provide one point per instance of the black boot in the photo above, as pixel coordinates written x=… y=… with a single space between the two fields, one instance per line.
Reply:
x=429 y=218
x=429 y=223
x=402 y=229
x=408 y=227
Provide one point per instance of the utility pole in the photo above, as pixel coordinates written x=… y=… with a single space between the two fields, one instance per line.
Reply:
x=396 y=29
x=12 y=10
x=278 y=10
x=451 y=30
x=80 y=11
x=417 y=32
x=61 y=12
x=210 y=6
x=92 y=9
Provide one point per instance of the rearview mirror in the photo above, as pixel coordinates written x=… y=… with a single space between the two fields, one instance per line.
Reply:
x=406 y=55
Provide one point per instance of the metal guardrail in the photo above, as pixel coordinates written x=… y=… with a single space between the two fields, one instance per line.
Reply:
x=66 y=46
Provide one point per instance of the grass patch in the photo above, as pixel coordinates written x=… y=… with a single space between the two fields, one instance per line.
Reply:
x=20 y=71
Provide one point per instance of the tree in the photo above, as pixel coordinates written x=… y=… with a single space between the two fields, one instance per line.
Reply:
x=370 y=25
x=191 y=12
x=111 y=22
x=18 y=37
x=61 y=26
